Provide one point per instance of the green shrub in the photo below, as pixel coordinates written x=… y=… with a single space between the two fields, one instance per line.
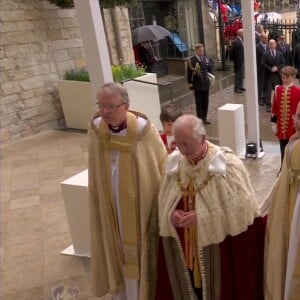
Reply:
x=120 y=73
x=77 y=74
x=124 y=72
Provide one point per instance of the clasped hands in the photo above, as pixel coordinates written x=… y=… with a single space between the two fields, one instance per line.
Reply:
x=182 y=219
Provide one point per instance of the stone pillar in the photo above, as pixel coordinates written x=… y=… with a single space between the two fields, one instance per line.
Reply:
x=94 y=43
x=253 y=133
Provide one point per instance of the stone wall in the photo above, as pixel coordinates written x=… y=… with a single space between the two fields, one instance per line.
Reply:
x=38 y=42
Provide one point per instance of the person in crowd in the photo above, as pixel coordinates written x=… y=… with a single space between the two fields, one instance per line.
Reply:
x=259 y=30
x=147 y=57
x=273 y=61
x=237 y=54
x=126 y=155
x=285 y=49
x=261 y=48
x=209 y=219
x=297 y=59
x=284 y=105
x=198 y=67
x=169 y=113
x=282 y=246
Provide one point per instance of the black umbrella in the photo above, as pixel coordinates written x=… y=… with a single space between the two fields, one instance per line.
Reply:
x=149 y=33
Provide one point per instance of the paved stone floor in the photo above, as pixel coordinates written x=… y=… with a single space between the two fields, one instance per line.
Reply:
x=33 y=222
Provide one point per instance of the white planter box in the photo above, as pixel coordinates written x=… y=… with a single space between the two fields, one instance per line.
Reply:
x=78 y=108
x=76 y=101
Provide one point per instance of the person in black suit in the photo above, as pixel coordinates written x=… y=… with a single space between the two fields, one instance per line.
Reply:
x=261 y=48
x=272 y=61
x=198 y=67
x=297 y=59
x=238 y=62
x=285 y=48
x=259 y=30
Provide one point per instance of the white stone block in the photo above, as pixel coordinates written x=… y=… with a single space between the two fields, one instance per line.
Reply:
x=75 y=194
x=231 y=127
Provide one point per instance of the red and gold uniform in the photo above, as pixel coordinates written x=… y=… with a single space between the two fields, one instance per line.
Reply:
x=285 y=101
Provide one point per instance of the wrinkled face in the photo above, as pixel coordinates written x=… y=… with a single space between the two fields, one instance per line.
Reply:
x=297 y=119
x=287 y=79
x=189 y=146
x=112 y=108
x=167 y=128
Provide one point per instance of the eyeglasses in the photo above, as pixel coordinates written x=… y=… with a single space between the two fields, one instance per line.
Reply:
x=296 y=117
x=109 y=108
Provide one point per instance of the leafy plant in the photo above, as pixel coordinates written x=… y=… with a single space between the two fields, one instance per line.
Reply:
x=103 y=3
x=77 y=75
x=120 y=73
x=124 y=72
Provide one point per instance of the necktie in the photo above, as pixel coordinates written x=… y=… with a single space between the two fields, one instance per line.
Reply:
x=273 y=53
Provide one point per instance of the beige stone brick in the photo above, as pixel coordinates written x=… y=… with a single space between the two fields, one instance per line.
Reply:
x=32 y=83
x=68 y=33
x=45 y=108
x=8 y=27
x=21 y=62
x=54 y=23
x=60 y=55
x=9 y=5
x=54 y=34
x=15 y=107
x=40 y=24
x=7 y=63
x=67 y=13
x=2 y=52
x=24 y=26
x=25 y=5
x=32 y=102
x=29 y=113
x=8 y=119
x=70 y=22
x=74 y=43
x=26 y=94
x=11 y=15
x=50 y=14
x=10 y=50
x=75 y=53
x=10 y=98
x=10 y=87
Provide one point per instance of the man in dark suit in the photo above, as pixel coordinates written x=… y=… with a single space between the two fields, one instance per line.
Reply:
x=238 y=62
x=272 y=61
x=297 y=59
x=259 y=30
x=285 y=48
x=198 y=67
x=261 y=48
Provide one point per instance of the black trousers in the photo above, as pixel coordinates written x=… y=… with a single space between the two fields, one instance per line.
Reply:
x=283 y=143
x=201 y=100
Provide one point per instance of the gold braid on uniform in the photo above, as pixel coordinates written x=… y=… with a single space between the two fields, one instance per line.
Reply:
x=196 y=69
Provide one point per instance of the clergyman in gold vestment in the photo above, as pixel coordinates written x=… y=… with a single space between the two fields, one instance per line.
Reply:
x=126 y=157
x=282 y=250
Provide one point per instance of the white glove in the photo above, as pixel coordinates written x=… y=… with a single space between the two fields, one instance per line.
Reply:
x=274 y=127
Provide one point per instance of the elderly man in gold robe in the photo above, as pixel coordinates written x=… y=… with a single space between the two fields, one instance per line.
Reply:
x=126 y=156
x=209 y=219
x=282 y=253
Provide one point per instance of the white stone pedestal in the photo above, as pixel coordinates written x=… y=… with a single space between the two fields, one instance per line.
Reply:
x=75 y=193
x=231 y=128
x=145 y=97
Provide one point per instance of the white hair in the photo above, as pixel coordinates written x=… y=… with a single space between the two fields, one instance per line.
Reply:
x=192 y=122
